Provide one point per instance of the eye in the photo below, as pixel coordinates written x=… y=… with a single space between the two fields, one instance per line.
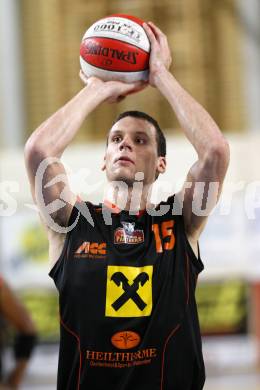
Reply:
x=116 y=138
x=140 y=140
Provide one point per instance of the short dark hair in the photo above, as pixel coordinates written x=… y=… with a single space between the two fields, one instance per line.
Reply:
x=160 y=138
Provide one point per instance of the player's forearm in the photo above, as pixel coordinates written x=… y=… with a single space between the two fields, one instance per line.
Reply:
x=197 y=124
x=53 y=136
x=17 y=374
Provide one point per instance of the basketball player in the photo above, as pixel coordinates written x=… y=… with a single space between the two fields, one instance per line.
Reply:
x=14 y=313
x=127 y=283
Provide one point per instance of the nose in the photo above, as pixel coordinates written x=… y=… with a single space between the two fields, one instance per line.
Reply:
x=126 y=144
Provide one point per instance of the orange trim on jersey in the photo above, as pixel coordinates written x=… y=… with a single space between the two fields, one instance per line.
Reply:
x=187 y=279
x=113 y=207
x=174 y=330
x=164 y=348
x=140 y=213
x=78 y=341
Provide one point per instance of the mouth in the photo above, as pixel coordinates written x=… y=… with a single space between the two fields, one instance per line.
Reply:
x=124 y=160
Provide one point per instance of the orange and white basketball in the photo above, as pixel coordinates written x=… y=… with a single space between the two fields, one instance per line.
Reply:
x=116 y=48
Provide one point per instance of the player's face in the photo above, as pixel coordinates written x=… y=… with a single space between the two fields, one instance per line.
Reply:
x=132 y=147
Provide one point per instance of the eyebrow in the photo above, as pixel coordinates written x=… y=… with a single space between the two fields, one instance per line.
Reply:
x=114 y=132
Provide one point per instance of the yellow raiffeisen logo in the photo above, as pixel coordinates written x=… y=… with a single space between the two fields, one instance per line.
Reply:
x=129 y=291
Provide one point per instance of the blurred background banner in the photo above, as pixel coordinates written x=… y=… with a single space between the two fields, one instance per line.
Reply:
x=216 y=57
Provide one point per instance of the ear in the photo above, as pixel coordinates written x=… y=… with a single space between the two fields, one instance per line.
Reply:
x=103 y=167
x=161 y=165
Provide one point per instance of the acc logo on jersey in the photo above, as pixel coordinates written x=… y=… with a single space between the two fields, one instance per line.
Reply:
x=128 y=235
x=129 y=291
x=91 y=250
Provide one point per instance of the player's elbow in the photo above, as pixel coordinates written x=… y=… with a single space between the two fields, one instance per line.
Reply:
x=217 y=158
x=29 y=148
x=219 y=152
x=33 y=152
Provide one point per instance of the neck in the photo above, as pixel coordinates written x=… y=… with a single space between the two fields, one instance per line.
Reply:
x=132 y=199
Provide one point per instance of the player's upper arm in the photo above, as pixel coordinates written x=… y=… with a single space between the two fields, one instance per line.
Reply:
x=49 y=185
x=202 y=188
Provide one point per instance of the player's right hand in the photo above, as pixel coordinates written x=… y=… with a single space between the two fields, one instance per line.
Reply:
x=115 y=91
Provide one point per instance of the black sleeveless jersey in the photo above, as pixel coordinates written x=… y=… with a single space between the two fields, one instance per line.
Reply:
x=128 y=316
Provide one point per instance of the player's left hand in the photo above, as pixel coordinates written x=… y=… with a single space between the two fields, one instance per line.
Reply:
x=160 y=55
x=116 y=91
